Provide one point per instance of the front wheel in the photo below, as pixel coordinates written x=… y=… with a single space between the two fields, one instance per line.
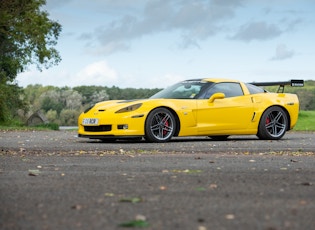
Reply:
x=160 y=125
x=273 y=124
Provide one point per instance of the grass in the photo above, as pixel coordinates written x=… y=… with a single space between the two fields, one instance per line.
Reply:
x=306 y=121
x=49 y=126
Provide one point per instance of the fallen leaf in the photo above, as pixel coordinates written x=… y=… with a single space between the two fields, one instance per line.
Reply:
x=189 y=171
x=201 y=220
x=33 y=172
x=306 y=183
x=200 y=189
x=109 y=194
x=213 y=186
x=163 y=188
x=77 y=207
x=230 y=217
x=131 y=200
x=303 y=202
x=135 y=224
x=140 y=217
x=202 y=228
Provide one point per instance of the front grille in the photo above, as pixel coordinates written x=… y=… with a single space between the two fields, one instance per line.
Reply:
x=100 y=128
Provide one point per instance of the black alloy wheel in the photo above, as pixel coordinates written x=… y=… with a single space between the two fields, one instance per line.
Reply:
x=273 y=124
x=160 y=125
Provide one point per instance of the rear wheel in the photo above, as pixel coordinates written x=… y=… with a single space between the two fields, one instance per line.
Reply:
x=273 y=124
x=160 y=125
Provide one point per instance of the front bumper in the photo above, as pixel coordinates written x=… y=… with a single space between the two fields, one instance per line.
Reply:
x=121 y=127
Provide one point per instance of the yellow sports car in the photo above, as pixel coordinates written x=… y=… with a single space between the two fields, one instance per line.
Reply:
x=216 y=108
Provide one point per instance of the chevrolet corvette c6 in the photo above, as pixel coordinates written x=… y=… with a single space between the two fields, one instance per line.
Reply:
x=216 y=108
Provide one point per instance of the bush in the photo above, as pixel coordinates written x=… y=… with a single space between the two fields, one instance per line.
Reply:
x=52 y=126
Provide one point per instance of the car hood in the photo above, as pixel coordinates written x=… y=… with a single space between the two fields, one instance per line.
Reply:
x=117 y=104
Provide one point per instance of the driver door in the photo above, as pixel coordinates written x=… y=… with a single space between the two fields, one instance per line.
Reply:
x=220 y=115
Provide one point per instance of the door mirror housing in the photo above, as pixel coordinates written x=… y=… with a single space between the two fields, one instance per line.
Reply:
x=216 y=96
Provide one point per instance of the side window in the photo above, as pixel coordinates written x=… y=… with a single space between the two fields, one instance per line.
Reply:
x=230 y=89
x=254 y=89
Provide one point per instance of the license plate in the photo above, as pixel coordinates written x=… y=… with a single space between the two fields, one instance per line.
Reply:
x=90 y=121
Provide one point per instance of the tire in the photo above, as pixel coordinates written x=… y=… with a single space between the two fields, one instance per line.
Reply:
x=273 y=124
x=160 y=125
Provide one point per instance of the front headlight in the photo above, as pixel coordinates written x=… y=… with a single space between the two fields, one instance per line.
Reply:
x=129 y=108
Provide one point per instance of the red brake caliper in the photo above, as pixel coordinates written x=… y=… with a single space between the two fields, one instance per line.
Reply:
x=267 y=120
x=165 y=131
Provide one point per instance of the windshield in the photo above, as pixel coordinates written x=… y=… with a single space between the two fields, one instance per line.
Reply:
x=183 y=90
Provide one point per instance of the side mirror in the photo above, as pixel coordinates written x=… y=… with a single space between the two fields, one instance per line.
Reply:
x=216 y=96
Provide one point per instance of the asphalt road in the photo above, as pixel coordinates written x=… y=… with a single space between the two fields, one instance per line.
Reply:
x=61 y=141
x=54 y=180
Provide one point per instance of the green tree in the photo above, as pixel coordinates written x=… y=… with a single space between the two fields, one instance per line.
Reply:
x=88 y=93
x=71 y=99
x=27 y=36
x=69 y=117
x=51 y=102
x=52 y=116
x=11 y=97
x=34 y=96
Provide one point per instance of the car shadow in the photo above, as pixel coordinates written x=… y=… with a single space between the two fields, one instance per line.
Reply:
x=174 y=140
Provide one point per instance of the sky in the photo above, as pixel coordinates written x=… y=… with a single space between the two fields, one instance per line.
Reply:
x=156 y=43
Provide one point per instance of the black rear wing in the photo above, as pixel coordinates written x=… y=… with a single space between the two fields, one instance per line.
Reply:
x=293 y=83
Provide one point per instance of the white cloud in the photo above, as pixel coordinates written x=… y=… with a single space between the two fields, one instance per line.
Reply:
x=282 y=52
x=157 y=33
x=257 y=31
x=123 y=22
x=166 y=80
x=108 y=48
x=98 y=73
x=196 y=19
x=45 y=77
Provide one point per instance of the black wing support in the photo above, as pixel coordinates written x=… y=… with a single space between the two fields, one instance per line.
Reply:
x=293 y=83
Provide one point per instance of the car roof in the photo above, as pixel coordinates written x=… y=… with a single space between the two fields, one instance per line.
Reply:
x=216 y=80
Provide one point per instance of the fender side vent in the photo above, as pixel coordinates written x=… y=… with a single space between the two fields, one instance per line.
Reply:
x=254 y=115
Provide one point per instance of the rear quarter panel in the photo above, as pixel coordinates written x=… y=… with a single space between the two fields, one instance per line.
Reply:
x=289 y=102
